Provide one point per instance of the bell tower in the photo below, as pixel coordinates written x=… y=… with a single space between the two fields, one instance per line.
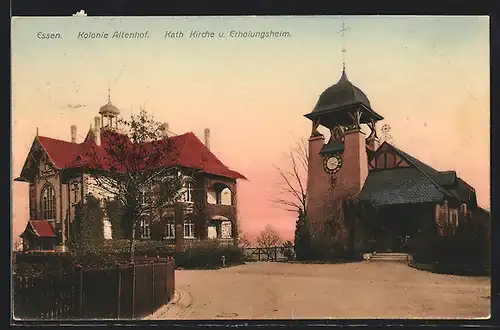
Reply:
x=341 y=164
x=109 y=114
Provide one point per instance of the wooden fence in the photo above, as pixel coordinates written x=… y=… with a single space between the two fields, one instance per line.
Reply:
x=274 y=253
x=130 y=291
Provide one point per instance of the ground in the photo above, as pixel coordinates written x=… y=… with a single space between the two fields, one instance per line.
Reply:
x=354 y=290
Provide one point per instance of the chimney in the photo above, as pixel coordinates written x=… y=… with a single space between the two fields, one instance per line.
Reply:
x=207 y=138
x=164 y=128
x=97 y=130
x=73 y=133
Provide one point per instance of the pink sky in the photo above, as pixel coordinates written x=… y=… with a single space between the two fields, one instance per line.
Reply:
x=428 y=76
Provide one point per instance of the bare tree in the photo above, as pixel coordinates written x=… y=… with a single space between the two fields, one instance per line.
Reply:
x=292 y=188
x=243 y=241
x=136 y=168
x=269 y=237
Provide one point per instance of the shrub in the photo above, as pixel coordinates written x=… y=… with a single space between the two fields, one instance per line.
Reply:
x=288 y=250
x=302 y=246
x=37 y=265
x=88 y=226
x=209 y=255
x=324 y=248
x=147 y=247
x=113 y=210
x=466 y=248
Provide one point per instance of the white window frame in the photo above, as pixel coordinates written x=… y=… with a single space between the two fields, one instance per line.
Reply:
x=145 y=226
x=188 y=229
x=48 y=202
x=188 y=191
x=170 y=227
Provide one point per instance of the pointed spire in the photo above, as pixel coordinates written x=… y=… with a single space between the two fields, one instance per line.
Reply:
x=344 y=75
x=37 y=131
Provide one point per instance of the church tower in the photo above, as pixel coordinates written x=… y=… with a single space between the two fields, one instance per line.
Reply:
x=339 y=166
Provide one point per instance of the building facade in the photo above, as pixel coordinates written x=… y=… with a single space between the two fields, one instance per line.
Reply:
x=57 y=183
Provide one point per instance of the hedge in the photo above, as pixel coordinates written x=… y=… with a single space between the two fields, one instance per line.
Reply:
x=204 y=255
x=453 y=269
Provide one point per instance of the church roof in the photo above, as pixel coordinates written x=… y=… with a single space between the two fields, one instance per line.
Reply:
x=341 y=94
x=41 y=228
x=416 y=184
x=400 y=186
x=186 y=151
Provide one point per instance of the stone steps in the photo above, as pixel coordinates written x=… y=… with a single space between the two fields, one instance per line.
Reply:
x=396 y=257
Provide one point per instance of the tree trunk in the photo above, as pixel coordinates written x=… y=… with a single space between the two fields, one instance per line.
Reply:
x=132 y=245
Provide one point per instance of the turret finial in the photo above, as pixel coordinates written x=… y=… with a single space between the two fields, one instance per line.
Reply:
x=342 y=33
x=109 y=93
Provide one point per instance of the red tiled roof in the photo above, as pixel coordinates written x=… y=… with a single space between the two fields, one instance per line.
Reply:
x=186 y=150
x=42 y=228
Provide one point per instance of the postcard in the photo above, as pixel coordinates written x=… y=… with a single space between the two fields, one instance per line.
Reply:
x=250 y=167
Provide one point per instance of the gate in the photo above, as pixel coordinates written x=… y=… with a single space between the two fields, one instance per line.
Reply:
x=272 y=254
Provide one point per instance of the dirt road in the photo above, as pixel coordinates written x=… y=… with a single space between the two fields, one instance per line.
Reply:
x=355 y=290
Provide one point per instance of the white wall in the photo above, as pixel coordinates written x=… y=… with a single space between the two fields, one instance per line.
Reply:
x=98 y=188
x=107 y=229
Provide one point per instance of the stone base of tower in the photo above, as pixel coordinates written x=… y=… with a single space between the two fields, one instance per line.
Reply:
x=317 y=183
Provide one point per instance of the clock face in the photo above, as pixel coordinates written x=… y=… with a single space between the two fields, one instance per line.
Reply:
x=333 y=163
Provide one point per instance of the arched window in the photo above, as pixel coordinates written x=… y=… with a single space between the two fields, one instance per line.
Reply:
x=225 y=196
x=48 y=203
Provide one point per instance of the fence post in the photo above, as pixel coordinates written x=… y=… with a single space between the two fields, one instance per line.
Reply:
x=258 y=253
x=153 y=287
x=173 y=276
x=275 y=253
x=133 y=289
x=168 y=279
x=79 y=291
x=119 y=298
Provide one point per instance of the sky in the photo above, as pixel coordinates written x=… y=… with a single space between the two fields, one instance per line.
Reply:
x=428 y=77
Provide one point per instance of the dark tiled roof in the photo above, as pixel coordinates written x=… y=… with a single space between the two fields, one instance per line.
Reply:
x=341 y=94
x=463 y=191
x=445 y=178
x=420 y=183
x=400 y=186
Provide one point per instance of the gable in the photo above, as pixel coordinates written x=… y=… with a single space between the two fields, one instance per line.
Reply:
x=387 y=158
x=37 y=163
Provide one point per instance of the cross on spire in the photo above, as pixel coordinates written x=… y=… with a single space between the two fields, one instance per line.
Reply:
x=342 y=31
